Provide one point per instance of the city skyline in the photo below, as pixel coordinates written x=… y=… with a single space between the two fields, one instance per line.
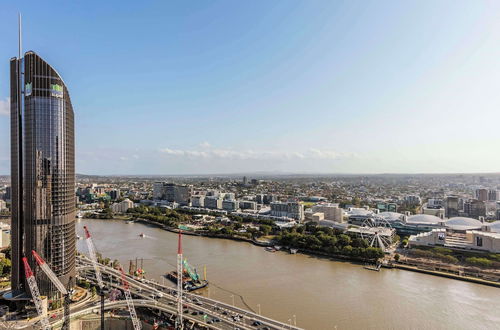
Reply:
x=284 y=87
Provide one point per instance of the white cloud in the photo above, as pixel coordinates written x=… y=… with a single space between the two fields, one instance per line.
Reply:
x=205 y=144
x=5 y=107
x=215 y=153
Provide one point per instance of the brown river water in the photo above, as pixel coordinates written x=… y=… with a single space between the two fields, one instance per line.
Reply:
x=320 y=293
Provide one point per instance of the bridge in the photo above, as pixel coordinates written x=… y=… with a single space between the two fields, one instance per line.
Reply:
x=162 y=300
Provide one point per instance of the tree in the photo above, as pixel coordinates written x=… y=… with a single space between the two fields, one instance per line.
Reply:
x=265 y=229
x=5 y=266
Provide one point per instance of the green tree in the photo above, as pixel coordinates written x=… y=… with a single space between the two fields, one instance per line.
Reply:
x=265 y=229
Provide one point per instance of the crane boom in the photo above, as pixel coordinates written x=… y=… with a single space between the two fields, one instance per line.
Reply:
x=35 y=293
x=50 y=274
x=93 y=257
x=133 y=315
x=194 y=276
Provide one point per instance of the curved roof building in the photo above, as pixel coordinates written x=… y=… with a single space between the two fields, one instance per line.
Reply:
x=463 y=223
x=42 y=172
x=423 y=219
x=494 y=226
x=390 y=216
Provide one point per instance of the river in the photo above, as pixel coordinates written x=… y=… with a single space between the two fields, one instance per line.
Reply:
x=321 y=293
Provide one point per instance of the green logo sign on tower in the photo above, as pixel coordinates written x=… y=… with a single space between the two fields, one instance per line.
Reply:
x=56 y=90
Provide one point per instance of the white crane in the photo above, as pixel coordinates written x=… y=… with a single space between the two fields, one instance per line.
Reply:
x=50 y=274
x=55 y=280
x=35 y=293
x=98 y=276
x=93 y=257
x=133 y=315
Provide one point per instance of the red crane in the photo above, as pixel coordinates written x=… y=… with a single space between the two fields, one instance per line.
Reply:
x=35 y=293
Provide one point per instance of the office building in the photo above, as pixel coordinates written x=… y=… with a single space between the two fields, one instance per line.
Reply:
x=230 y=205
x=413 y=200
x=451 y=207
x=248 y=205
x=291 y=210
x=482 y=194
x=213 y=202
x=4 y=235
x=114 y=194
x=492 y=195
x=475 y=208
x=172 y=192
x=331 y=211
x=42 y=172
x=198 y=201
x=123 y=206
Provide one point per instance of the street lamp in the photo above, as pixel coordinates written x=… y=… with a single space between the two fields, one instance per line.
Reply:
x=290 y=323
x=232 y=297
x=258 y=306
x=294 y=320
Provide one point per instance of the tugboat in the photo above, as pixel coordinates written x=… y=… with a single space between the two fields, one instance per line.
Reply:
x=190 y=280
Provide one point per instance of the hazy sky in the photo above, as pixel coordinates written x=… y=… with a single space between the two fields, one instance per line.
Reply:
x=178 y=87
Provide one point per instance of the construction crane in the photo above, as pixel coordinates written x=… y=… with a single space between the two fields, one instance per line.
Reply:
x=98 y=276
x=35 y=293
x=55 y=280
x=179 y=324
x=193 y=274
x=126 y=290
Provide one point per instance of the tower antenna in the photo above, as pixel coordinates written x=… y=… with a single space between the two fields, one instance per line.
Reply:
x=20 y=36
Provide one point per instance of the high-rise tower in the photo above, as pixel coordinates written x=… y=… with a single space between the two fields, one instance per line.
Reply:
x=42 y=171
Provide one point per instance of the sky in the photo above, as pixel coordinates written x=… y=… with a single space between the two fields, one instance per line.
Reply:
x=206 y=87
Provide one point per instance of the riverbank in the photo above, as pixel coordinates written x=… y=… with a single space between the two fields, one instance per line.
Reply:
x=445 y=274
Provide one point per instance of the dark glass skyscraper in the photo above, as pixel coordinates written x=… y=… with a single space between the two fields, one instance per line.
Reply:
x=42 y=171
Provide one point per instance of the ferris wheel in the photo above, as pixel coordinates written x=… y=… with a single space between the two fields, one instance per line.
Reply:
x=377 y=232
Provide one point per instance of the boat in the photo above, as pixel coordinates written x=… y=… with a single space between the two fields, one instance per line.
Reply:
x=188 y=283
x=294 y=251
x=270 y=249
x=142 y=235
x=190 y=280
x=372 y=267
x=128 y=222
x=277 y=247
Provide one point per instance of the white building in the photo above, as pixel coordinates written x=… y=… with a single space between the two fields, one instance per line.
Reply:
x=331 y=211
x=473 y=240
x=213 y=202
x=248 y=205
x=198 y=201
x=4 y=235
x=230 y=205
x=122 y=206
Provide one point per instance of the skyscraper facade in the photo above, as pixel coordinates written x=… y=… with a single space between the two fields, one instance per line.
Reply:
x=42 y=171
